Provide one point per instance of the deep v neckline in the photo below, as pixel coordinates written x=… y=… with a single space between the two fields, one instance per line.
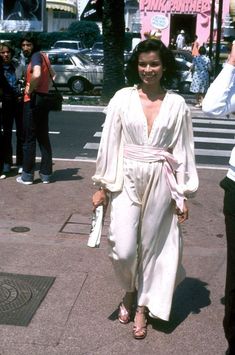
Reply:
x=149 y=134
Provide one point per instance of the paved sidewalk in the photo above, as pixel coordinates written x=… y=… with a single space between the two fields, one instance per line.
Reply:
x=78 y=315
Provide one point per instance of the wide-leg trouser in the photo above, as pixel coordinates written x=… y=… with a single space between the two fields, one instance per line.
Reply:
x=146 y=245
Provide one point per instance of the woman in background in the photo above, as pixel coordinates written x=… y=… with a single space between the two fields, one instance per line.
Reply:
x=201 y=69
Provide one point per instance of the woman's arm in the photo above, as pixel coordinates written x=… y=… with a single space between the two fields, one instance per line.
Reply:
x=186 y=174
x=109 y=173
x=220 y=97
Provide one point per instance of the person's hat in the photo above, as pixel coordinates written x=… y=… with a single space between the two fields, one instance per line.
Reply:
x=182 y=31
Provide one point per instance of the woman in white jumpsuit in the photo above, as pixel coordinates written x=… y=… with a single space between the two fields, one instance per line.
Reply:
x=146 y=164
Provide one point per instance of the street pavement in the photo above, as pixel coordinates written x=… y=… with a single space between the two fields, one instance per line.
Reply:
x=79 y=314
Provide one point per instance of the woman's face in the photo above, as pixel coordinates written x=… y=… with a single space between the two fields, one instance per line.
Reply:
x=150 y=67
x=5 y=54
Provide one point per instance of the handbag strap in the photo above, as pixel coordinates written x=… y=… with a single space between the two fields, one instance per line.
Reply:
x=53 y=81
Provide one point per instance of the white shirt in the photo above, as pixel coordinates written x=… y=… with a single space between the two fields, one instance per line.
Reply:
x=180 y=41
x=126 y=124
x=220 y=101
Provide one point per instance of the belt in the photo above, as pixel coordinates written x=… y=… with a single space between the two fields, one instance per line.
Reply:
x=149 y=154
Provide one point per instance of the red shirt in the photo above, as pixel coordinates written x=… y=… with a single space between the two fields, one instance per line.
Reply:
x=41 y=59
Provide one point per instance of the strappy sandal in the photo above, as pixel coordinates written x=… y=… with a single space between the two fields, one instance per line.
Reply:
x=140 y=332
x=123 y=314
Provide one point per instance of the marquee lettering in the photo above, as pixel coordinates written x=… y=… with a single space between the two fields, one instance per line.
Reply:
x=185 y=6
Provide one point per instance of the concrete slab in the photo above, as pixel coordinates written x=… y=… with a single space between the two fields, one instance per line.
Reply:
x=78 y=315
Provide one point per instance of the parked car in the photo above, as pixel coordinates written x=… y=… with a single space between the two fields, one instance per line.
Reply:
x=184 y=79
x=183 y=54
x=74 y=70
x=78 y=45
x=224 y=48
x=96 y=53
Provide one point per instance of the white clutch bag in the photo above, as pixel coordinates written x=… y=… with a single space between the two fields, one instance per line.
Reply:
x=96 y=228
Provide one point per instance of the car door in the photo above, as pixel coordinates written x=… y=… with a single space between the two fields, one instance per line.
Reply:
x=63 y=66
x=93 y=73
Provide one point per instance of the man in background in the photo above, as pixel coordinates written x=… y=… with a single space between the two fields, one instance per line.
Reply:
x=35 y=119
x=180 y=40
x=12 y=107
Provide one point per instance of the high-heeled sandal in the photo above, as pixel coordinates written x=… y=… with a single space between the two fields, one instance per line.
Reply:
x=123 y=314
x=140 y=332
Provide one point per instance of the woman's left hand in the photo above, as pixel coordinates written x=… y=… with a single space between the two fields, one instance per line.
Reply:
x=182 y=215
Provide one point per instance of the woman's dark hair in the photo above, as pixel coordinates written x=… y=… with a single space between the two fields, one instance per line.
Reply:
x=31 y=37
x=9 y=46
x=202 y=50
x=166 y=56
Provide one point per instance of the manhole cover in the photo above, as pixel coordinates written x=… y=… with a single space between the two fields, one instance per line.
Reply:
x=13 y=294
x=20 y=229
x=20 y=296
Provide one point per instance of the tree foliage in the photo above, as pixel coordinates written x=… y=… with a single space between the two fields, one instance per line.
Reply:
x=113 y=37
x=86 y=31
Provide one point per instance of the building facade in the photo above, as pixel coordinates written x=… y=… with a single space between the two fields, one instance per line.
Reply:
x=169 y=17
x=59 y=14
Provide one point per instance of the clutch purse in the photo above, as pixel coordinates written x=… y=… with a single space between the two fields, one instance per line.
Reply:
x=96 y=228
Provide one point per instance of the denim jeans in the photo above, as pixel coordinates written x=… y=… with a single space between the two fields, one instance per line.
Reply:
x=229 y=211
x=35 y=124
x=12 y=111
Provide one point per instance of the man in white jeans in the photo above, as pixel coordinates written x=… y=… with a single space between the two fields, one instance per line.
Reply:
x=220 y=101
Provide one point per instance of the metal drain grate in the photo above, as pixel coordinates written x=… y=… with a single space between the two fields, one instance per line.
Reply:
x=20 y=297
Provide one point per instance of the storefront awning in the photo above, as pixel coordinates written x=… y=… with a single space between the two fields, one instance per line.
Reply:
x=63 y=5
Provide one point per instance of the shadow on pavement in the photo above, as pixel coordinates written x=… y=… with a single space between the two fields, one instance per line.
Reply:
x=66 y=175
x=190 y=296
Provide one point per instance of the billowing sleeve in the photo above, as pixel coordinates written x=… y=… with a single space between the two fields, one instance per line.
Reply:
x=109 y=164
x=186 y=174
x=220 y=97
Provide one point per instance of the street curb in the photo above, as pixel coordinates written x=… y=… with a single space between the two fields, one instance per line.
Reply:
x=83 y=108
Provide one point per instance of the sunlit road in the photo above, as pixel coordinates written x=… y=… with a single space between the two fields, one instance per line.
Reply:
x=71 y=131
x=76 y=135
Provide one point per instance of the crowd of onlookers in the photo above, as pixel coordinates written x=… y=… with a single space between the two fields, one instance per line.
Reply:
x=12 y=78
x=21 y=82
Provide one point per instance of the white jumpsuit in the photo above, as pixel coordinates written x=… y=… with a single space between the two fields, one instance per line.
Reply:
x=141 y=173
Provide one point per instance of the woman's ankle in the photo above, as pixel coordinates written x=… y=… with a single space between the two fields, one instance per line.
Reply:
x=128 y=299
x=141 y=309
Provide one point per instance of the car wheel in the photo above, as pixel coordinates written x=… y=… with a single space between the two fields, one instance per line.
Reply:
x=77 y=85
x=185 y=87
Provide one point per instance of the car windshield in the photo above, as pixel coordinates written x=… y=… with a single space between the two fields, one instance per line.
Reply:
x=82 y=58
x=66 y=45
x=98 y=46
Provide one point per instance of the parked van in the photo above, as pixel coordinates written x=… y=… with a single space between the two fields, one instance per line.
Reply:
x=78 y=45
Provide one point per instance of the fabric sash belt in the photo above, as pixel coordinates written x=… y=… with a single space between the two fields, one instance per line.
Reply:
x=148 y=154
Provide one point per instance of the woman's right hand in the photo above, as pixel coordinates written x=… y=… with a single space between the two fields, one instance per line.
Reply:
x=100 y=197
